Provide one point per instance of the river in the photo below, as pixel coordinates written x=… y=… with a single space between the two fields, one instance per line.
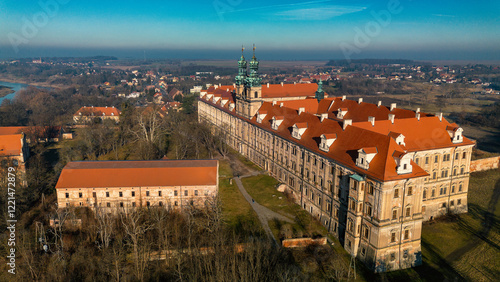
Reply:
x=16 y=87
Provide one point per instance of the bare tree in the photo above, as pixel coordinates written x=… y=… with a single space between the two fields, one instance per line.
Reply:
x=135 y=227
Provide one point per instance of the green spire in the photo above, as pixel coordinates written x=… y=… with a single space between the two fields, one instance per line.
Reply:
x=320 y=94
x=254 y=80
x=242 y=69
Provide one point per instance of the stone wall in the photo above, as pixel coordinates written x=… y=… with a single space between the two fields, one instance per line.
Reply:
x=303 y=242
x=484 y=164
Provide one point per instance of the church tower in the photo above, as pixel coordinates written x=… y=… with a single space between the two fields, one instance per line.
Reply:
x=240 y=79
x=320 y=94
x=248 y=87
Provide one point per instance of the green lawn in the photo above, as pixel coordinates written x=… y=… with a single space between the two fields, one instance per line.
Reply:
x=263 y=189
x=238 y=213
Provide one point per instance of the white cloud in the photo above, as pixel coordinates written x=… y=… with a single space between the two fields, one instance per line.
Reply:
x=441 y=15
x=318 y=13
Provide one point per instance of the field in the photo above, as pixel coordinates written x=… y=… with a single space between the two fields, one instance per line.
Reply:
x=236 y=211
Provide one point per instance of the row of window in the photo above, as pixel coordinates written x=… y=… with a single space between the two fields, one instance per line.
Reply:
x=409 y=191
x=442 y=191
x=446 y=158
x=132 y=204
x=132 y=194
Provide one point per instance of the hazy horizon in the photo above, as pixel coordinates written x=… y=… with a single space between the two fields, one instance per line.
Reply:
x=281 y=30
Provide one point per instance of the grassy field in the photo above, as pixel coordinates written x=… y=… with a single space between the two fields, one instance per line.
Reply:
x=237 y=212
x=263 y=189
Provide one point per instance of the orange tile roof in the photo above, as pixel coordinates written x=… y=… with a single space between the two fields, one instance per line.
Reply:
x=361 y=111
x=330 y=135
x=424 y=134
x=310 y=105
x=10 y=145
x=38 y=131
x=344 y=149
x=289 y=90
x=301 y=125
x=98 y=111
x=101 y=174
x=370 y=150
x=10 y=130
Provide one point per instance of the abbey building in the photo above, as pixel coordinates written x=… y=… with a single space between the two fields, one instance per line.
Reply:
x=370 y=173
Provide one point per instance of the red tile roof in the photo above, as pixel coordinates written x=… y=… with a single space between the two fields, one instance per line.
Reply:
x=344 y=149
x=10 y=130
x=310 y=105
x=424 y=134
x=361 y=111
x=289 y=90
x=10 y=145
x=98 y=111
x=370 y=150
x=102 y=174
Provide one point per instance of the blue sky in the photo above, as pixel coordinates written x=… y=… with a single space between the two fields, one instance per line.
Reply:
x=448 y=30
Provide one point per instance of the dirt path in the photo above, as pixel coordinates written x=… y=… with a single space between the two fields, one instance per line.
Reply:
x=488 y=222
x=264 y=214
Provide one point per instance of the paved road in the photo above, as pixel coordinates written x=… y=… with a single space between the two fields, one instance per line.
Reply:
x=263 y=213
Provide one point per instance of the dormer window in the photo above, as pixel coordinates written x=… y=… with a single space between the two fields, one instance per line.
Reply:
x=261 y=115
x=365 y=156
x=299 y=129
x=224 y=102
x=455 y=133
x=231 y=107
x=398 y=137
x=216 y=99
x=277 y=122
x=403 y=164
x=327 y=141
x=209 y=96
x=342 y=112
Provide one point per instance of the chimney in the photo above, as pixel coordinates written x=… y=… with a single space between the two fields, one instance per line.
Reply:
x=346 y=123
x=113 y=107
x=268 y=85
x=301 y=110
x=391 y=117
x=343 y=97
x=417 y=115
x=274 y=103
x=324 y=116
x=418 y=110
x=393 y=106
x=106 y=107
x=281 y=105
x=372 y=120
x=216 y=86
x=294 y=83
x=440 y=115
x=379 y=103
x=234 y=85
x=220 y=85
x=227 y=90
x=282 y=83
x=360 y=100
